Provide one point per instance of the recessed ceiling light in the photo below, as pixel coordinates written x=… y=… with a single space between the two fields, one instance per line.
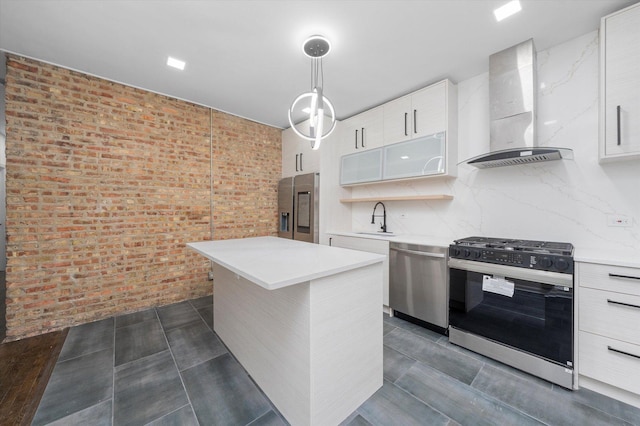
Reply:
x=507 y=10
x=175 y=63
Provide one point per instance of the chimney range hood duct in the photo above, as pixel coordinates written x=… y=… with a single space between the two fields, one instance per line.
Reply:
x=512 y=99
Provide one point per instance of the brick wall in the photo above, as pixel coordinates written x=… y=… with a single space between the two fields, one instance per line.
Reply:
x=106 y=184
x=247 y=165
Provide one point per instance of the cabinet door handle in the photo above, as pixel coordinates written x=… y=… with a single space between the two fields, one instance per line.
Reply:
x=301 y=162
x=415 y=124
x=618 y=123
x=622 y=352
x=362 y=137
x=405 y=124
x=613 y=302
x=297 y=163
x=629 y=277
x=356 y=138
x=330 y=240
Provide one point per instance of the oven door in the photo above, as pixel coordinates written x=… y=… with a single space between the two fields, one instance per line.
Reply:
x=525 y=309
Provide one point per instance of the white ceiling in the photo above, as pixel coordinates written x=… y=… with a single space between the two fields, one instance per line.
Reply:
x=245 y=57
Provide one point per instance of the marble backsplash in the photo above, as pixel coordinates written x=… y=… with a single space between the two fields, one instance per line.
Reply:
x=567 y=201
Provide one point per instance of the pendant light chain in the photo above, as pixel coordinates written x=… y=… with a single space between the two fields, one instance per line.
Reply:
x=317 y=73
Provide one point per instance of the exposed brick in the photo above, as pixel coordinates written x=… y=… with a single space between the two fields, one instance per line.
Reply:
x=105 y=185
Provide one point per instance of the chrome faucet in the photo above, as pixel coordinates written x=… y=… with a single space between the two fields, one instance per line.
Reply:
x=383 y=226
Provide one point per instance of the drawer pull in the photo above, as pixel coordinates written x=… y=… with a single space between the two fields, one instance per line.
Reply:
x=629 y=277
x=618 y=124
x=622 y=303
x=622 y=352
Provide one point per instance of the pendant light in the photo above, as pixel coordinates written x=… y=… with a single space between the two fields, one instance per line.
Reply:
x=313 y=104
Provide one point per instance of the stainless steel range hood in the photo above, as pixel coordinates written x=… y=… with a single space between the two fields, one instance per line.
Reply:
x=512 y=99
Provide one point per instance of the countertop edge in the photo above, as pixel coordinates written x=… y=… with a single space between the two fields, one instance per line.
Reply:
x=613 y=257
x=275 y=285
x=624 y=260
x=397 y=238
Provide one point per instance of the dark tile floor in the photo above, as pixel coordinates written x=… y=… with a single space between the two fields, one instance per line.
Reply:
x=166 y=366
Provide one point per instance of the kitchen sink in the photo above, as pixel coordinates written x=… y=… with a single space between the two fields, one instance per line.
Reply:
x=378 y=234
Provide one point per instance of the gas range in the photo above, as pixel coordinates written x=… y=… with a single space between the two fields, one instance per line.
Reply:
x=538 y=255
x=512 y=300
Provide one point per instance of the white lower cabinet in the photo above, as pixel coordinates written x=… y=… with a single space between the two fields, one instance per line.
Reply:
x=610 y=361
x=609 y=332
x=369 y=245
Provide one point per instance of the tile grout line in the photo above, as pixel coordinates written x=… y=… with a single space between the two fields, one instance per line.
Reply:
x=441 y=342
x=501 y=402
x=168 y=414
x=484 y=364
x=58 y=361
x=486 y=395
x=202 y=319
x=184 y=387
x=273 y=407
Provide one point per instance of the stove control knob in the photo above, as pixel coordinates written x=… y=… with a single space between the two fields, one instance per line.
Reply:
x=476 y=255
x=455 y=251
x=466 y=253
x=545 y=262
x=562 y=264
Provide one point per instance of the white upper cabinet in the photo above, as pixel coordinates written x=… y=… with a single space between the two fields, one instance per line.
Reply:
x=361 y=167
x=419 y=138
x=415 y=158
x=397 y=120
x=297 y=156
x=362 y=132
x=419 y=114
x=620 y=85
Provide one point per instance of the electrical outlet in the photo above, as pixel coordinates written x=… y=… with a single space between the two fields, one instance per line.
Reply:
x=210 y=276
x=618 y=220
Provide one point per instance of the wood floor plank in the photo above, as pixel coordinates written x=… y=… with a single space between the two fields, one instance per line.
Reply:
x=25 y=368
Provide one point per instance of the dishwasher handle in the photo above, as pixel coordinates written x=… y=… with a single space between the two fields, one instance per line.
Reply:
x=419 y=253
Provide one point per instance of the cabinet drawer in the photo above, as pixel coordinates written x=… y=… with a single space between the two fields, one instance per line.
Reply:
x=610 y=278
x=600 y=358
x=610 y=314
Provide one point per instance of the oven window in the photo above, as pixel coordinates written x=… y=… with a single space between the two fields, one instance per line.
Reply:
x=536 y=319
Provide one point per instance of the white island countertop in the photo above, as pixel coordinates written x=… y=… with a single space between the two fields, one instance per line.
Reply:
x=273 y=262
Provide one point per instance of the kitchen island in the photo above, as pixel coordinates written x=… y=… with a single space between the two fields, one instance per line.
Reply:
x=303 y=319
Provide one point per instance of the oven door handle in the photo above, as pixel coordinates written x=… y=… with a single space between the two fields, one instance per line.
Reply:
x=533 y=275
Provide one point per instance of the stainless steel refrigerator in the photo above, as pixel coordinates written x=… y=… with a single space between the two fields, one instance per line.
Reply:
x=298 y=202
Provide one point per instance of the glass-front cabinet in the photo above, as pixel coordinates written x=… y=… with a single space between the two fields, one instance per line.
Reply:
x=361 y=167
x=421 y=157
x=417 y=157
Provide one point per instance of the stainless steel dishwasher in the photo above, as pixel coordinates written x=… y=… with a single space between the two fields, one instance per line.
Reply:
x=419 y=283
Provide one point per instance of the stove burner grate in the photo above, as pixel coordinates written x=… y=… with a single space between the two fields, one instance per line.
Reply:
x=545 y=247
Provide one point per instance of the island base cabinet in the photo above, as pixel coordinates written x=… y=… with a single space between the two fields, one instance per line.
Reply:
x=315 y=348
